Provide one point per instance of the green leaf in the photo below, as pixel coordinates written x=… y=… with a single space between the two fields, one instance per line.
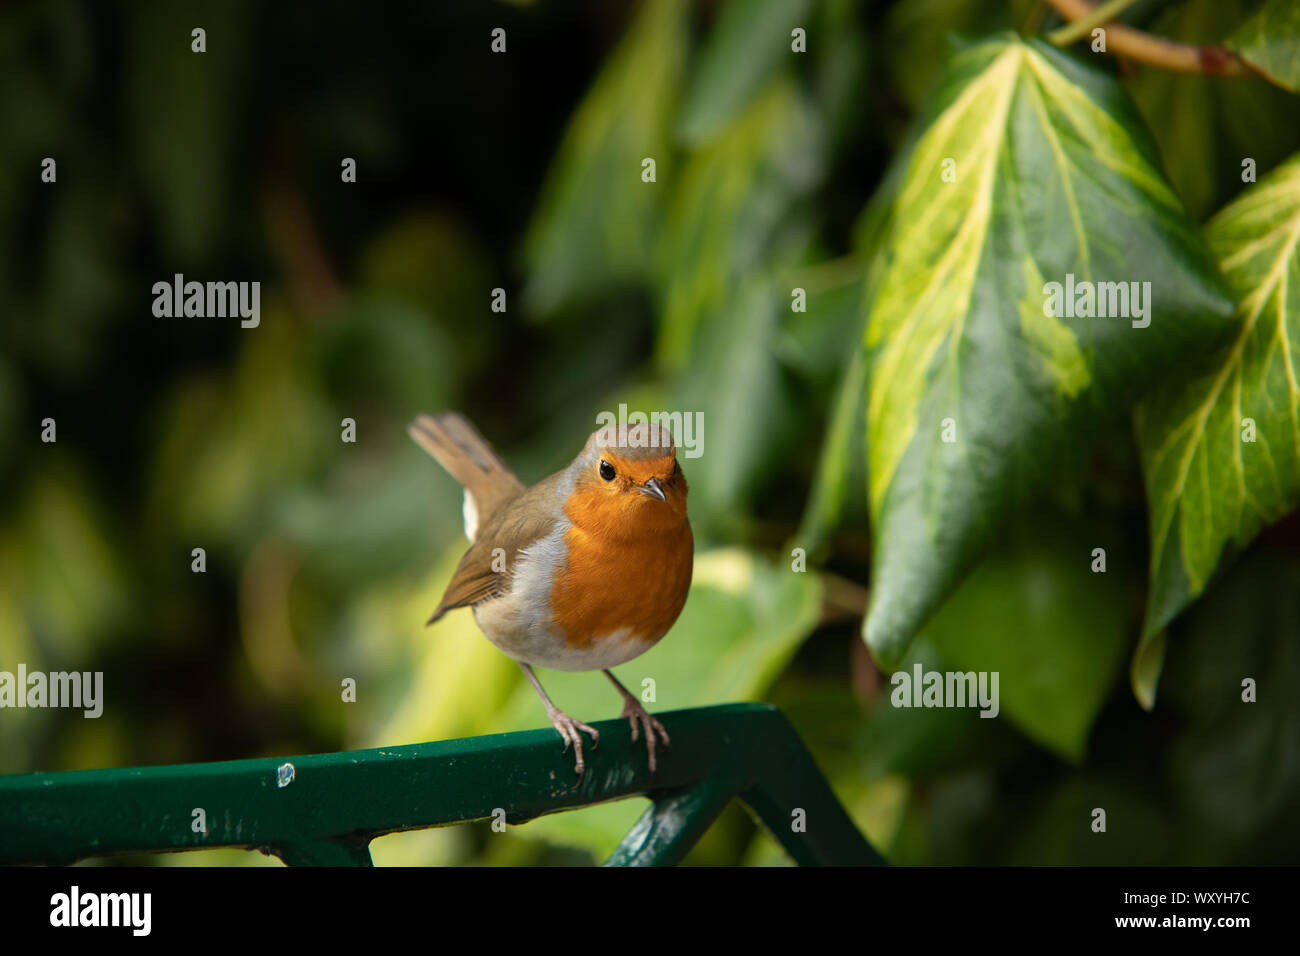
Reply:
x=732 y=210
x=1055 y=177
x=1145 y=667
x=1234 y=762
x=1212 y=490
x=596 y=220
x=449 y=679
x=830 y=501
x=1056 y=666
x=926 y=743
x=1206 y=125
x=915 y=37
x=1140 y=828
x=841 y=467
x=230 y=445
x=1270 y=42
x=182 y=118
x=815 y=339
x=747 y=403
x=841 y=68
x=64 y=565
x=748 y=41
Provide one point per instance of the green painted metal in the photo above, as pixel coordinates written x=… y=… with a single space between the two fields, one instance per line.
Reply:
x=337 y=802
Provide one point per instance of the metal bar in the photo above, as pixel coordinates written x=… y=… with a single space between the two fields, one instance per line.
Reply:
x=672 y=825
x=792 y=799
x=354 y=796
x=325 y=853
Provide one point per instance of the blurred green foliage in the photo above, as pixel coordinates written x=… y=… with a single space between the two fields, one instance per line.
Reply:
x=523 y=171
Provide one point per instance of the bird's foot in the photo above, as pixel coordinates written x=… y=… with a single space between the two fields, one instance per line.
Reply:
x=640 y=719
x=569 y=729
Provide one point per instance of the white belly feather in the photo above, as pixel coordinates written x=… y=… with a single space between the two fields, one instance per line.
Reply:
x=519 y=622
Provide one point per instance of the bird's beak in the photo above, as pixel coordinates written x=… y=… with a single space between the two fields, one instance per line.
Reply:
x=654 y=489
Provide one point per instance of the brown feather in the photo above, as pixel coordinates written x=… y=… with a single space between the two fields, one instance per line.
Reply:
x=467 y=456
x=523 y=520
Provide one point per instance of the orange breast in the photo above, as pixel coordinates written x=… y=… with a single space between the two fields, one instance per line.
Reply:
x=635 y=581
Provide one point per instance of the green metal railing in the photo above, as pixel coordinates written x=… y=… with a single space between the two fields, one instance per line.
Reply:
x=336 y=803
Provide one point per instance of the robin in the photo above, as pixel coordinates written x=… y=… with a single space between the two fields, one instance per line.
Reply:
x=582 y=571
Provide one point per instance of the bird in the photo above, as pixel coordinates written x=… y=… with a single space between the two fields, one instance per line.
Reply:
x=582 y=571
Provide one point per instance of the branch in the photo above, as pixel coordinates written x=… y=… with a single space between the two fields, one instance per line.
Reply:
x=1101 y=14
x=1156 y=51
x=295 y=243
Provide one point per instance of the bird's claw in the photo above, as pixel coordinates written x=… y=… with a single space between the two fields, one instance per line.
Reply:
x=570 y=730
x=641 y=719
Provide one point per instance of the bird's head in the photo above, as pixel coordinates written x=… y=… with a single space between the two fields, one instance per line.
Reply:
x=628 y=479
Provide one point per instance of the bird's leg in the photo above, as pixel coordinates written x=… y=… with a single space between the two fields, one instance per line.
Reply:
x=640 y=719
x=566 y=725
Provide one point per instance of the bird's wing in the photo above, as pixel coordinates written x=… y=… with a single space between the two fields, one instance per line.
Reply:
x=457 y=445
x=484 y=572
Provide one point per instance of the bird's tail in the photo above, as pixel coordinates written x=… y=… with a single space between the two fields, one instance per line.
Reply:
x=458 y=447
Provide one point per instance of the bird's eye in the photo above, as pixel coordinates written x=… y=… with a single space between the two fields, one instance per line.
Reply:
x=606 y=470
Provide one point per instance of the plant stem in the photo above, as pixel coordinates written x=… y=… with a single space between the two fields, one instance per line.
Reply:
x=1083 y=26
x=1156 y=51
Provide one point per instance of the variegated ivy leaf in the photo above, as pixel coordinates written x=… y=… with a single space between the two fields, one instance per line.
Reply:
x=1033 y=169
x=1221 y=449
x=1270 y=42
